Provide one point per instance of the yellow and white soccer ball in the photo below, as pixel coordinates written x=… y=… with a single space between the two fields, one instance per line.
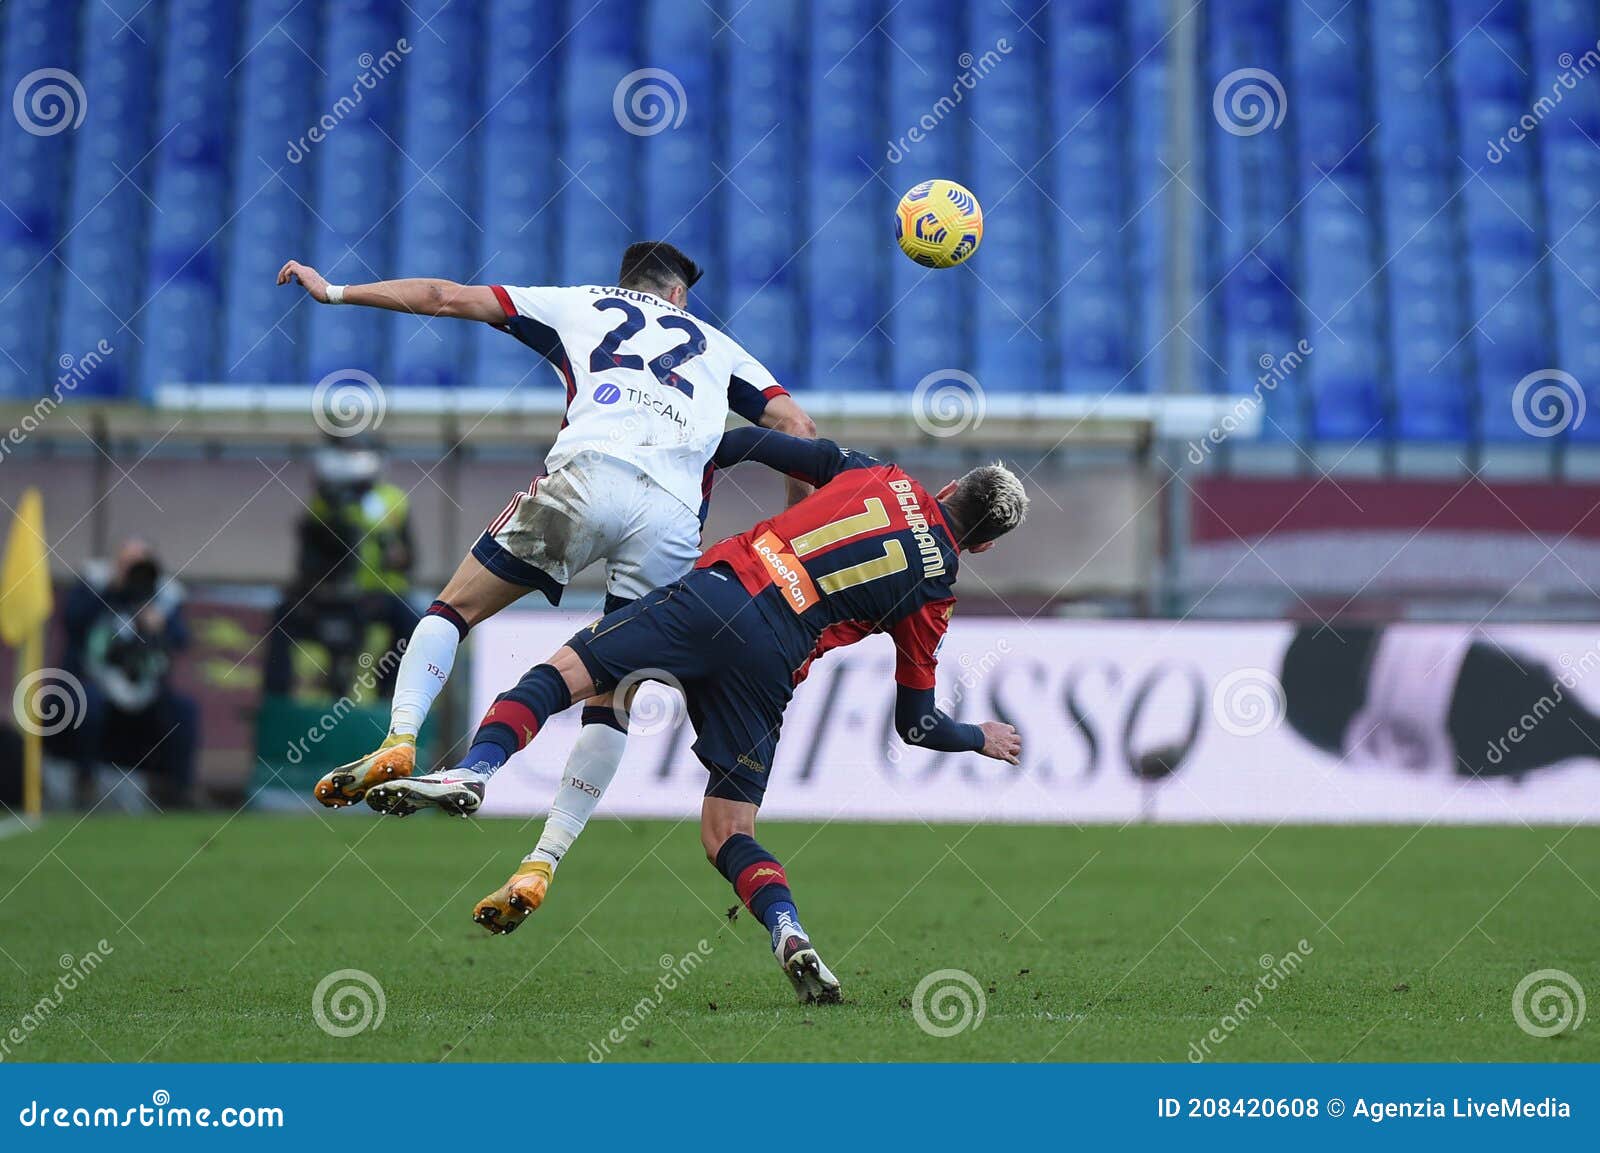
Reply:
x=938 y=223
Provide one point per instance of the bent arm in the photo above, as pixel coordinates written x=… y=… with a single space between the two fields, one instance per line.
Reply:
x=812 y=462
x=783 y=414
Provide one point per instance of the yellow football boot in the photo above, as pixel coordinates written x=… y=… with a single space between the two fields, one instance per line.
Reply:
x=347 y=784
x=505 y=908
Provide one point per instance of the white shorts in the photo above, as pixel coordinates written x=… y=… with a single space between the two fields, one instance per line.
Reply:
x=593 y=508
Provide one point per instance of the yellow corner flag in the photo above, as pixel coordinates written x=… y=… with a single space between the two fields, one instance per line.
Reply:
x=25 y=606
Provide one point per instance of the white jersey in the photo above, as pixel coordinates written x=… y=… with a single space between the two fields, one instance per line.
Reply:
x=647 y=383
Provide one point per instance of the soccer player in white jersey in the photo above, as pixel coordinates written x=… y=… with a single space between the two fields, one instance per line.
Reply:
x=648 y=389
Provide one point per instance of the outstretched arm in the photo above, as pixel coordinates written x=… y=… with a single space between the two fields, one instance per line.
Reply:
x=812 y=462
x=420 y=295
x=920 y=722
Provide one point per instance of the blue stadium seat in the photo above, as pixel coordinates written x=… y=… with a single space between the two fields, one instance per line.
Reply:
x=929 y=312
x=1337 y=220
x=1434 y=397
x=33 y=178
x=842 y=267
x=102 y=286
x=596 y=165
x=1005 y=170
x=181 y=317
x=1252 y=251
x=680 y=164
x=438 y=232
x=264 y=330
x=1095 y=315
x=517 y=201
x=357 y=183
x=764 y=223
x=1507 y=322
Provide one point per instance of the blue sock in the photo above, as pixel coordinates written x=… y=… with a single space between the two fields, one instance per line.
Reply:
x=759 y=880
x=515 y=718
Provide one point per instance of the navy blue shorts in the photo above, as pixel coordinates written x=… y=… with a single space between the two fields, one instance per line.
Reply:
x=735 y=666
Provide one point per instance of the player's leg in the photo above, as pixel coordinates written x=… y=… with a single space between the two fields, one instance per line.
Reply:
x=512 y=721
x=737 y=715
x=658 y=545
x=472 y=595
x=542 y=537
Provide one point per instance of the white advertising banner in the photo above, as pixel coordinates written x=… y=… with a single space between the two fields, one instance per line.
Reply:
x=1137 y=721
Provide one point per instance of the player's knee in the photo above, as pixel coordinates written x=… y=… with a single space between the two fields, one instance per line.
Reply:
x=717 y=826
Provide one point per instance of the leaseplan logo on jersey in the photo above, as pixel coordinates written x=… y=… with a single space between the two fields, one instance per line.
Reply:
x=607 y=393
x=786 y=572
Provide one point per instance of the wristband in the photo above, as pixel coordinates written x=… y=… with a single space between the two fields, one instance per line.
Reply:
x=336 y=293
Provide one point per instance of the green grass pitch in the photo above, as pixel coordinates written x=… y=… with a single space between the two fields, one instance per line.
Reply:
x=1087 y=945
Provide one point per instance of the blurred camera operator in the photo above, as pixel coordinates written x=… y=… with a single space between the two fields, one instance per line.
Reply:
x=124 y=624
x=352 y=573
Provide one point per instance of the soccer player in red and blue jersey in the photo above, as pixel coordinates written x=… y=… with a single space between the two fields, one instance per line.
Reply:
x=871 y=550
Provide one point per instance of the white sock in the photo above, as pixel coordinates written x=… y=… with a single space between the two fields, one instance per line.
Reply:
x=424 y=669
x=589 y=772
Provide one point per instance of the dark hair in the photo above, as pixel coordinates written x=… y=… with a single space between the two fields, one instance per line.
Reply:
x=655 y=265
x=988 y=502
